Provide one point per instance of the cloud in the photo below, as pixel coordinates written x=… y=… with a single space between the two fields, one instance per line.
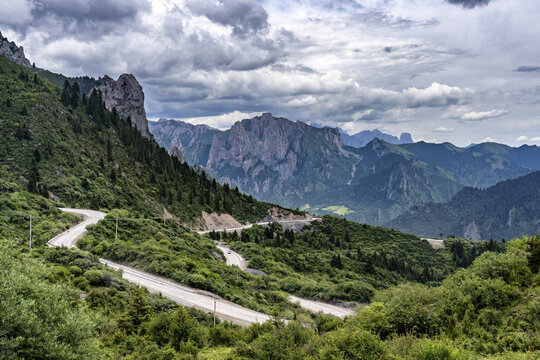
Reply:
x=221 y=122
x=442 y=129
x=527 y=68
x=482 y=115
x=245 y=16
x=524 y=138
x=469 y=4
x=15 y=12
x=89 y=19
x=488 y=139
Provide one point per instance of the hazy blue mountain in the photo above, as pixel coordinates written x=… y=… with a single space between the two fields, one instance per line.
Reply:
x=506 y=210
x=362 y=138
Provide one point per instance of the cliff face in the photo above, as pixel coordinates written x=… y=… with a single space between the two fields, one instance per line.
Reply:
x=295 y=164
x=277 y=144
x=127 y=96
x=13 y=52
x=177 y=154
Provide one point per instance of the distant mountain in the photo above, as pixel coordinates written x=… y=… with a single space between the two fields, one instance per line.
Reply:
x=506 y=210
x=362 y=138
x=297 y=165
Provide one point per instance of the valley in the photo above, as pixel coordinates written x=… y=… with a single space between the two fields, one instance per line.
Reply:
x=122 y=238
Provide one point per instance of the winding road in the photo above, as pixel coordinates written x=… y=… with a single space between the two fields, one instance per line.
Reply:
x=183 y=295
x=263 y=223
x=235 y=259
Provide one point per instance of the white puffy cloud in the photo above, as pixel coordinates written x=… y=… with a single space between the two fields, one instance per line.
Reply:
x=444 y=129
x=483 y=115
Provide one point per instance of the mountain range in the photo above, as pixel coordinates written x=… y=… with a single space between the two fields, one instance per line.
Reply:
x=508 y=209
x=298 y=165
x=362 y=138
x=320 y=169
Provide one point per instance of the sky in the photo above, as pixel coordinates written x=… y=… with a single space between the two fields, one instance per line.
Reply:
x=464 y=71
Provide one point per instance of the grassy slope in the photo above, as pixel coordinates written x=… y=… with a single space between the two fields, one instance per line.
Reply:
x=98 y=163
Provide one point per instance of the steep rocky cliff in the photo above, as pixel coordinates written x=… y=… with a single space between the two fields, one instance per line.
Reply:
x=295 y=164
x=127 y=96
x=177 y=154
x=13 y=52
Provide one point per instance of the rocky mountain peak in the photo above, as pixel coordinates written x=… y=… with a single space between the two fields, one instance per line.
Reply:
x=175 y=152
x=127 y=96
x=405 y=138
x=13 y=52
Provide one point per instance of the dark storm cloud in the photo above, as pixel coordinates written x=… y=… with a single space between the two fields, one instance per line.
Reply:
x=84 y=19
x=245 y=16
x=527 y=68
x=90 y=10
x=469 y=4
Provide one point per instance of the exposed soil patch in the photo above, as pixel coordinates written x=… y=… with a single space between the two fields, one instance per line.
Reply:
x=215 y=221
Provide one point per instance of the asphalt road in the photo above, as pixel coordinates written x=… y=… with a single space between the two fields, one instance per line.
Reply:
x=183 y=295
x=69 y=238
x=235 y=259
x=320 y=307
x=232 y=258
x=264 y=223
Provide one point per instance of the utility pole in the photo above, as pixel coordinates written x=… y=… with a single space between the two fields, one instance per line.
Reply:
x=116 y=231
x=214 y=312
x=30 y=235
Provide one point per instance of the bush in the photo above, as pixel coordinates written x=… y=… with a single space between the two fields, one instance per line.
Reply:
x=93 y=277
x=345 y=344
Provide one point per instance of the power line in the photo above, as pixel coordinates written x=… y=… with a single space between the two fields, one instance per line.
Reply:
x=8 y=228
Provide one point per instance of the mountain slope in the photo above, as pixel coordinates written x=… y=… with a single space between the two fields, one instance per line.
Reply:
x=482 y=165
x=506 y=210
x=79 y=152
x=297 y=165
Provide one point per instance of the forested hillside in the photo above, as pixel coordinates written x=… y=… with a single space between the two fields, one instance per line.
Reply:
x=65 y=146
x=63 y=304
x=506 y=210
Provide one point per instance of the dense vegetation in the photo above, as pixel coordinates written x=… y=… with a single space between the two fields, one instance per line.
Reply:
x=62 y=304
x=505 y=210
x=339 y=260
x=170 y=250
x=59 y=144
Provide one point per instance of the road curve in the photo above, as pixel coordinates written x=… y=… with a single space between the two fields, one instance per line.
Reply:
x=183 y=295
x=232 y=258
x=320 y=307
x=69 y=238
x=235 y=259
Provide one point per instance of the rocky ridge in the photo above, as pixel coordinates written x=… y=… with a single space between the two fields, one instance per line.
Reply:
x=13 y=52
x=127 y=96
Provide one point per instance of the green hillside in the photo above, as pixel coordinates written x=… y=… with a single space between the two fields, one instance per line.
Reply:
x=63 y=304
x=64 y=146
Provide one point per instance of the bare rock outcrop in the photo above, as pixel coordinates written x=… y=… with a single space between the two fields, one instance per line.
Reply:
x=127 y=96
x=177 y=154
x=13 y=52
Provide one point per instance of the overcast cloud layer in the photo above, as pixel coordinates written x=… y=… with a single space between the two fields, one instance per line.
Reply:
x=445 y=70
